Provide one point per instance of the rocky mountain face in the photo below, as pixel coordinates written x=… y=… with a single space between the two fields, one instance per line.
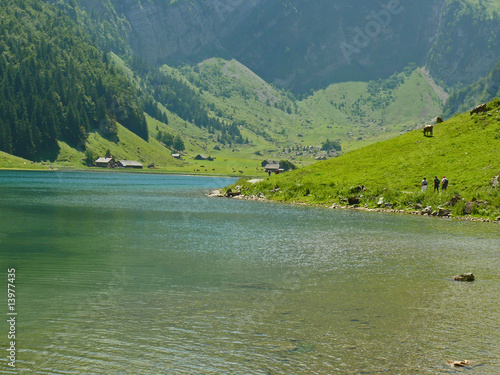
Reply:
x=481 y=91
x=467 y=42
x=302 y=45
x=295 y=43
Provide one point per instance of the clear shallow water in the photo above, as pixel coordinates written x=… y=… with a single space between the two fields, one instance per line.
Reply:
x=140 y=274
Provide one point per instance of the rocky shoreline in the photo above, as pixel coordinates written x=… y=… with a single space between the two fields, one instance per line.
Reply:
x=442 y=213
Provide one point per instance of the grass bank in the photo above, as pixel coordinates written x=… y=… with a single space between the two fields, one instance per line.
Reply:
x=466 y=149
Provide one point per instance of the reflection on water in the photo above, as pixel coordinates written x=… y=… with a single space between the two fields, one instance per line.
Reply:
x=144 y=274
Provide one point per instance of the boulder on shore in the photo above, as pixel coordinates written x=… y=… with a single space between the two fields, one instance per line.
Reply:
x=443 y=212
x=464 y=277
x=427 y=210
x=216 y=194
x=469 y=207
x=353 y=200
x=232 y=194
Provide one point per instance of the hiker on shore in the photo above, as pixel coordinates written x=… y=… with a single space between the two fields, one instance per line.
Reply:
x=436 y=184
x=444 y=183
x=423 y=185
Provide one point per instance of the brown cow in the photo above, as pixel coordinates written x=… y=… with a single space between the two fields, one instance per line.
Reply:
x=428 y=129
x=479 y=108
x=439 y=120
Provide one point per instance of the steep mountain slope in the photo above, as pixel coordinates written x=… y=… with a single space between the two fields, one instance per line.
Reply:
x=269 y=117
x=467 y=42
x=482 y=91
x=226 y=106
x=303 y=45
x=56 y=85
x=358 y=111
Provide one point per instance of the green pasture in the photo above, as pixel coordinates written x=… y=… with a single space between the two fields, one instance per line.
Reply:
x=465 y=149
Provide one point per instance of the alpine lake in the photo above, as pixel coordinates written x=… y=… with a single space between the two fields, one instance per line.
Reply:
x=144 y=274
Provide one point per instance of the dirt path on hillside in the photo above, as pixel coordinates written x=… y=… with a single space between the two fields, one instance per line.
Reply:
x=443 y=95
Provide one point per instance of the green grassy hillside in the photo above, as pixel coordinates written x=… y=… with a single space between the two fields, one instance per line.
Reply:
x=359 y=113
x=355 y=113
x=8 y=161
x=465 y=148
x=129 y=146
x=273 y=123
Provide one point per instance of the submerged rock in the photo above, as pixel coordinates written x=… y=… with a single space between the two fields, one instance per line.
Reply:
x=464 y=277
x=458 y=363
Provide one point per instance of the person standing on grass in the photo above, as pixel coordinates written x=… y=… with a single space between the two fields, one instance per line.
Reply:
x=423 y=185
x=436 y=184
x=444 y=183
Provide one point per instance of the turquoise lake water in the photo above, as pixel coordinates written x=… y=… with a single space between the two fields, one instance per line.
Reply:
x=144 y=274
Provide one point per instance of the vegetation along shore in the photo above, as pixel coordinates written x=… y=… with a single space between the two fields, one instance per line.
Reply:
x=388 y=175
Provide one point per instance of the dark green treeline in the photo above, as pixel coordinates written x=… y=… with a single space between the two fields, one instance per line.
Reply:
x=56 y=85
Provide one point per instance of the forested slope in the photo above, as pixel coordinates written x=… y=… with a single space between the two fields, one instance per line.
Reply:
x=56 y=85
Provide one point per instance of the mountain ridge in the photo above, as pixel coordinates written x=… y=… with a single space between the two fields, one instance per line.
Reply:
x=300 y=45
x=226 y=106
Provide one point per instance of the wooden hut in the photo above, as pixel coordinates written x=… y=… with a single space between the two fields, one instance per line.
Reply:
x=130 y=164
x=105 y=162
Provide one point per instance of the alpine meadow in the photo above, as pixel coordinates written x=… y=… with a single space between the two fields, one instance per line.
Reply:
x=251 y=187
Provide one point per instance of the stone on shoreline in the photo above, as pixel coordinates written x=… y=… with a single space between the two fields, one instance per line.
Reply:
x=216 y=194
x=469 y=206
x=229 y=194
x=443 y=212
x=427 y=210
x=353 y=200
x=232 y=194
